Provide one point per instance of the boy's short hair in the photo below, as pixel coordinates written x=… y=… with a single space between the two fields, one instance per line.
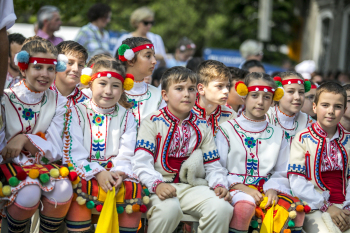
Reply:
x=346 y=87
x=177 y=74
x=211 y=70
x=252 y=63
x=237 y=73
x=73 y=48
x=330 y=87
x=15 y=38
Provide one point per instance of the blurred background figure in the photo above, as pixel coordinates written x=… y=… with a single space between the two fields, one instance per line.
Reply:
x=16 y=41
x=317 y=78
x=309 y=99
x=157 y=76
x=193 y=63
x=185 y=49
x=306 y=68
x=251 y=50
x=253 y=66
x=49 y=21
x=142 y=19
x=342 y=77
x=93 y=36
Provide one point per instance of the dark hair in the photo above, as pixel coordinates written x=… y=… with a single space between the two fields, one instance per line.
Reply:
x=98 y=57
x=346 y=87
x=99 y=10
x=193 y=63
x=15 y=38
x=177 y=74
x=237 y=73
x=258 y=75
x=117 y=66
x=73 y=48
x=331 y=87
x=185 y=44
x=133 y=42
x=252 y=63
x=158 y=73
x=212 y=70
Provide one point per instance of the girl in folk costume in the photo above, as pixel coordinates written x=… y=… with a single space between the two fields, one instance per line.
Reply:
x=33 y=117
x=66 y=82
x=255 y=154
x=286 y=113
x=319 y=169
x=137 y=53
x=99 y=141
x=345 y=120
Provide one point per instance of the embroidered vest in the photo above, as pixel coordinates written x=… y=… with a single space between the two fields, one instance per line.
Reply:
x=252 y=155
x=156 y=133
x=306 y=156
x=102 y=132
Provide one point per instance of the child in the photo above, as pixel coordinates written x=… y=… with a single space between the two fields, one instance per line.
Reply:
x=253 y=66
x=286 y=113
x=345 y=120
x=137 y=54
x=234 y=100
x=256 y=156
x=34 y=116
x=101 y=135
x=169 y=137
x=213 y=88
x=309 y=99
x=66 y=82
x=319 y=163
x=185 y=49
x=16 y=41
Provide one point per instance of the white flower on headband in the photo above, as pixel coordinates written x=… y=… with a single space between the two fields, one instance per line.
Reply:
x=129 y=54
x=109 y=75
x=87 y=71
x=62 y=57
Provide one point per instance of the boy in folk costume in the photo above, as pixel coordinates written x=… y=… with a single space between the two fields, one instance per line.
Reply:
x=167 y=140
x=31 y=141
x=255 y=154
x=319 y=164
x=66 y=82
x=137 y=54
x=286 y=113
x=213 y=87
x=99 y=141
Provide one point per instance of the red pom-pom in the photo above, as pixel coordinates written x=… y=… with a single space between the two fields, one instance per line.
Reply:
x=143 y=209
x=22 y=175
x=22 y=65
x=122 y=58
x=130 y=76
x=72 y=175
x=277 y=78
x=109 y=164
x=307 y=209
x=99 y=208
x=238 y=83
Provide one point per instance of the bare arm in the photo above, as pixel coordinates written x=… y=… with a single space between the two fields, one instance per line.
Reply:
x=4 y=51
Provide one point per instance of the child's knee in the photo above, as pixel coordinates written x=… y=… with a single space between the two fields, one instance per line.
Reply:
x=221 y=208
x=168 y=209
x=28 y=196
x=62 y=192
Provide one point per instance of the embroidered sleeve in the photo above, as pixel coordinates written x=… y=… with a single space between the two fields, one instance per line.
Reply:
x=223 y=145
x=299 y=159
x=325 y=206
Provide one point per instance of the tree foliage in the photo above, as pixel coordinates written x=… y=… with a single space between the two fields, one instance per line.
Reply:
x=219 y=24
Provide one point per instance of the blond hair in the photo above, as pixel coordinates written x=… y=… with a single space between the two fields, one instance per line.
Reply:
x=211 y=70
x=140 y=14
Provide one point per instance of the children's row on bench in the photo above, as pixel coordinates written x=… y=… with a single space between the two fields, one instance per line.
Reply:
x=228 y=146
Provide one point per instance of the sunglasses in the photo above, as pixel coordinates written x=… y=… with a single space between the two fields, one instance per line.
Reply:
x=148 y=22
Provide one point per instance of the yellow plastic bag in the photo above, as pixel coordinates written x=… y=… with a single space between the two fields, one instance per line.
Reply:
x=108 y=220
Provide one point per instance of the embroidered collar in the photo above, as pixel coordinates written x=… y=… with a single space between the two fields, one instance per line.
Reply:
x=26 y=95
x=286 y=121
x=251 y=125
x=101 y=110
x=174 y=118
x=200 y=111
x=318 y=129
x=71 y=95
x=139 y=88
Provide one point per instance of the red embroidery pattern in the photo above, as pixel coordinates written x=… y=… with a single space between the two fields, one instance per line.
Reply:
x=180 y=143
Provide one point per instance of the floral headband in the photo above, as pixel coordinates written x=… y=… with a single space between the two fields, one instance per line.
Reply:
x=85 y=78
x=242 y=90
x=127 y=54
x=22 y=60
x=280 y=82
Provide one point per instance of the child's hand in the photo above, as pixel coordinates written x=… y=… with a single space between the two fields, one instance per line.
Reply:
x=258 y=197
x=14 y=147
x=339 y=217
x=272 y=196
x=223 y=192
x=118 y=176
x=106 y=180
x=165 y=191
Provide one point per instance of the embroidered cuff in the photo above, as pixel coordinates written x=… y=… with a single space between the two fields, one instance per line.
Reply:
x=325 y=207
x=155 y=185
x=219 y=185
x=346 y=208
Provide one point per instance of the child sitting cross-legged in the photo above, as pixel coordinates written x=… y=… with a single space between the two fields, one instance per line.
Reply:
x=167 y=140
x=319 y=164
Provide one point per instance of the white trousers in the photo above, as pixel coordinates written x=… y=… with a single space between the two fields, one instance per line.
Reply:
x=214 y=213
x=314 y=223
